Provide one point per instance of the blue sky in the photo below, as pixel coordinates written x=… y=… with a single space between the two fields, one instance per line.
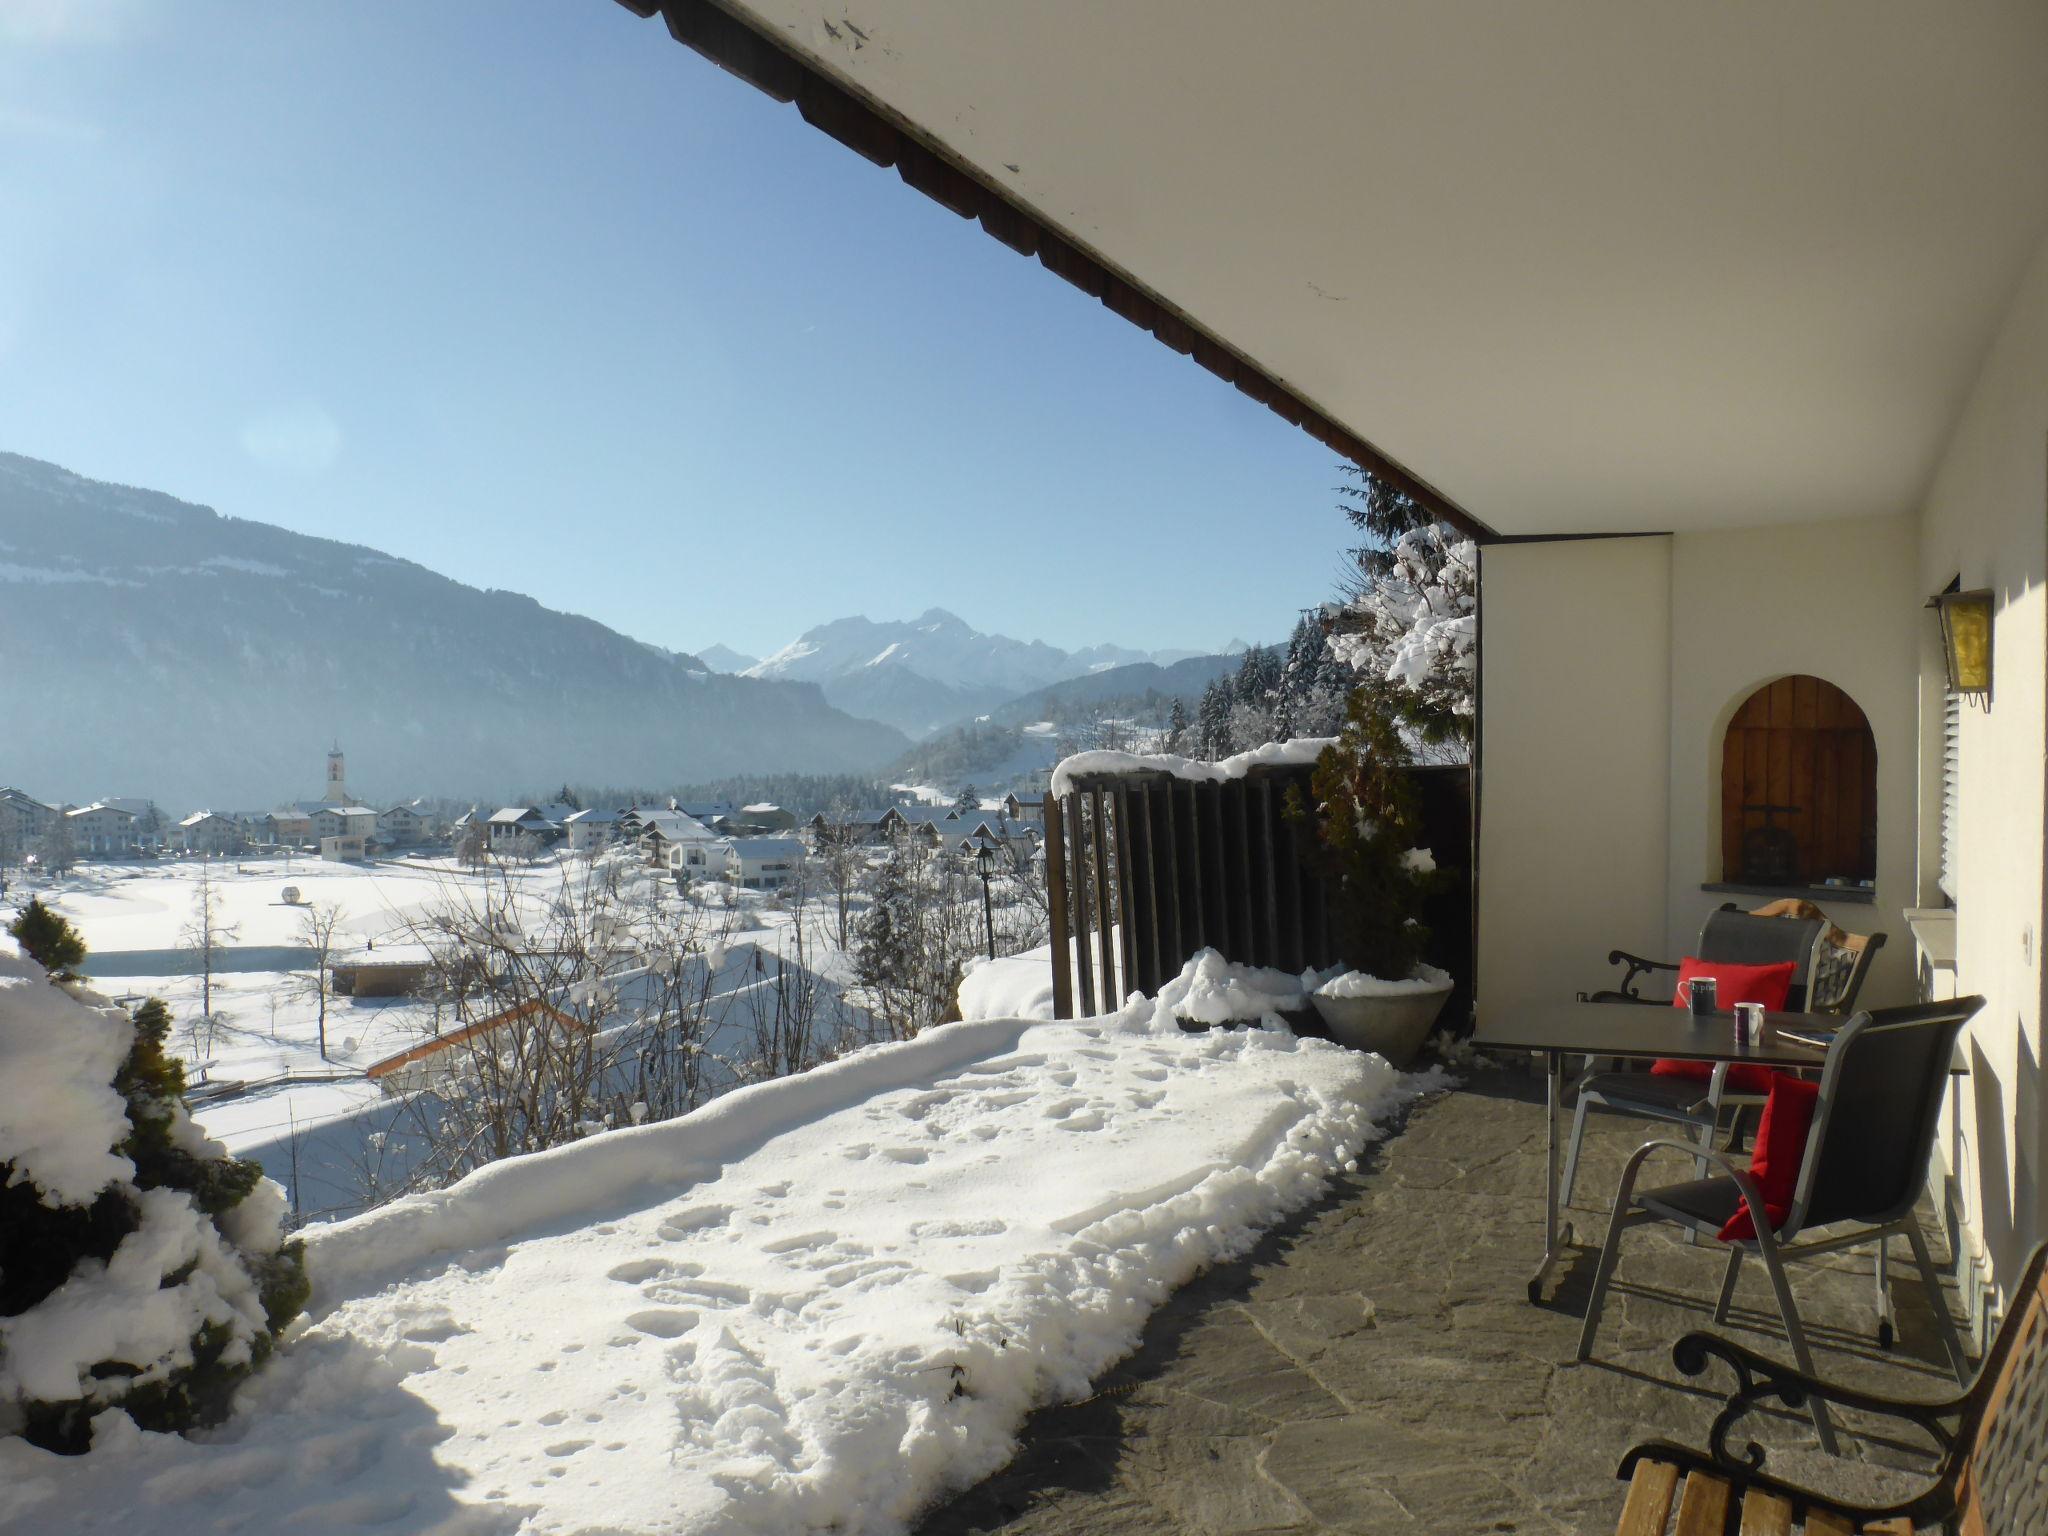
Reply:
x=534 y=296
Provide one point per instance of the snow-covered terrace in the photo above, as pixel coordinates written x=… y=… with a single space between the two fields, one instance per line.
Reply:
x=1104 y=1276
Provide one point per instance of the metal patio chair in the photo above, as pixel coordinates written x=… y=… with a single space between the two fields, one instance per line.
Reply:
x=1737 y=938
x=1865 y=1163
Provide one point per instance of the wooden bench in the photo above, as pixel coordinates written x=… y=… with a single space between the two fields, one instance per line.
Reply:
x=1991 y=1479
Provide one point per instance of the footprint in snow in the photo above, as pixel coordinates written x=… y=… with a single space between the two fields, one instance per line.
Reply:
x=906 y=1154
x=637 y=1271
x=1087 y=1120
x=682 y=1224
x=662 y=1323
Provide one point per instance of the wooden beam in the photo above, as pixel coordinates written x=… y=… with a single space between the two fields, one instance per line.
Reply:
x=1056 y=908
x=1076 y=818
x=1104 y=907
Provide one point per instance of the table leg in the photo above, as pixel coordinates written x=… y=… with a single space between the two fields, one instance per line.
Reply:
x=1555 y=1234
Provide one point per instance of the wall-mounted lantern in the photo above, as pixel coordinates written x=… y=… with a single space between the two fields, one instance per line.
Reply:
x=1966 y=639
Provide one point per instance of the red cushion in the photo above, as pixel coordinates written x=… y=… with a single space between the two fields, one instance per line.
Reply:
x=1780 y=1149
x=1741 y=1078
x=1766 y=984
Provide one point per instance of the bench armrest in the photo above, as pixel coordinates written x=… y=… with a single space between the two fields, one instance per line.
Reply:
x=1637 y=967
x=1760 y=1380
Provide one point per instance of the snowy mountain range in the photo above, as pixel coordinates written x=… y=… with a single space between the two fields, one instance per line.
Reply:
x=923 y=674
x=723 y=658
x=154 y=647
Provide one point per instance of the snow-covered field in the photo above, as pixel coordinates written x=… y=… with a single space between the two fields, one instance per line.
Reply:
x=264 y=1029
x=818 y=1303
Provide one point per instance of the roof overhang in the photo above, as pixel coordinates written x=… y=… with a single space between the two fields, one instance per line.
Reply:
x=1574 y=267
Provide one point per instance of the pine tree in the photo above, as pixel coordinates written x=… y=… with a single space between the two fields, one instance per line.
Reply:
x=968 y=801
x=1212 y=719
x=1258 y=675
x=1177 y=741
x=50 y=941
x=248 y=1284
x=1410 y=612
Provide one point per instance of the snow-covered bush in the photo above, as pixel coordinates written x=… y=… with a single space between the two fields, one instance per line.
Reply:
x=141 y=1268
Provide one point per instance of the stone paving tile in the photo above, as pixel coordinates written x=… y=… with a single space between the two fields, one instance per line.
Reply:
x=1373 y=1367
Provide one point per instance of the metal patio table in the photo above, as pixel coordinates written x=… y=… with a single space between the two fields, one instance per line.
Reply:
x=1558 y=1030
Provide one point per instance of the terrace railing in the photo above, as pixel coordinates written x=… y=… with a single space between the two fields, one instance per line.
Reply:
x=1144 y=870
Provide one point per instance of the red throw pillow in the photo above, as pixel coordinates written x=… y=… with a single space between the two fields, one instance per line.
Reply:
x=1766 y=984
x=1780 y=1149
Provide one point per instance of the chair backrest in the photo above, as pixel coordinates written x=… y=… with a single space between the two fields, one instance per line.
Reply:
x=1742 y=938
x=2001 y=1488
x=1874 y=1122
x=1842 y=962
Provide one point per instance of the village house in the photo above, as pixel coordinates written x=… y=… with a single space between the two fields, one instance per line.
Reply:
x=208 y=832
x=763 y=863
x=355 y=821
x=667 y=838
x=403 y=826
x=102 y=830
x=592 y=829
x=23 y=817
x=519 y=826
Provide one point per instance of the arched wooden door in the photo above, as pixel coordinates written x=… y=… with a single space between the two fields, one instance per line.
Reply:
x=1798 y=787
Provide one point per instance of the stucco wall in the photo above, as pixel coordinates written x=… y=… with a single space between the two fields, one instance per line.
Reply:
x=1575 y=679
x=1986 y=519
x=1838 y=600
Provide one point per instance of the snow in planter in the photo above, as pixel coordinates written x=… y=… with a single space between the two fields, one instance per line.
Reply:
x=818 y=1303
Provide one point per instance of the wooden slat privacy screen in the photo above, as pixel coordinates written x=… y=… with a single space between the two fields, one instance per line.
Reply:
x=1803 y=744
x=1145 y=870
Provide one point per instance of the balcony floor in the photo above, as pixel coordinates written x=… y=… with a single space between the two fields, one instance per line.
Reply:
x=1373 y=1366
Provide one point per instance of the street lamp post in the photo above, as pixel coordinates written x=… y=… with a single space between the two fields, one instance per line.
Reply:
x=985 y=864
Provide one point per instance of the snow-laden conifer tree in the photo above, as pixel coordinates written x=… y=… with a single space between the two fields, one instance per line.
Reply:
x=1410 y=614
x=141 y=1267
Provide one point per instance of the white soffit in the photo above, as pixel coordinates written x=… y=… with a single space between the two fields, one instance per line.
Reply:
x=1584 y=266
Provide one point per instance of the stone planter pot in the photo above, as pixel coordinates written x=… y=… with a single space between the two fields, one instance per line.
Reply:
x=1392 y=1023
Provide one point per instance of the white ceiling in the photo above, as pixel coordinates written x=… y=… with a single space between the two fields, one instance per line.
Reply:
x=1582 y=264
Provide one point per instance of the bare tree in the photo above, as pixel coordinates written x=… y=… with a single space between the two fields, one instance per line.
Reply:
x=472 y=846
x=54 y=850
x=571 y=1010
x=316 y=927
x=911 y=945
x=206 y=935
x=842 y=860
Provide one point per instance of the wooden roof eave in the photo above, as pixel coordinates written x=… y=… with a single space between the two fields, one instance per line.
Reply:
x=877 y=134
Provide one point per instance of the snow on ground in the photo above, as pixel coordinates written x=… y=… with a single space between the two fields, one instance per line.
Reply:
x=145 y=905
x=304 y=1115
x=818 y=1303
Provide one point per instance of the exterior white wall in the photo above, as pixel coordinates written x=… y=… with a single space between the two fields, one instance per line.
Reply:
x=1986 y=519
x=1840 y=601
x=1575 y=683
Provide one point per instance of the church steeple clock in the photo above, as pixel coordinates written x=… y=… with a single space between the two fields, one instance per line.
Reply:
x=337 y=778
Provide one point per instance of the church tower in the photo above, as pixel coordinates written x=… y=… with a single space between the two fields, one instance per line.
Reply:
x=337 y=778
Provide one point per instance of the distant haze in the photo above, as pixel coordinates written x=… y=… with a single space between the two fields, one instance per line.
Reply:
x=155 y=648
